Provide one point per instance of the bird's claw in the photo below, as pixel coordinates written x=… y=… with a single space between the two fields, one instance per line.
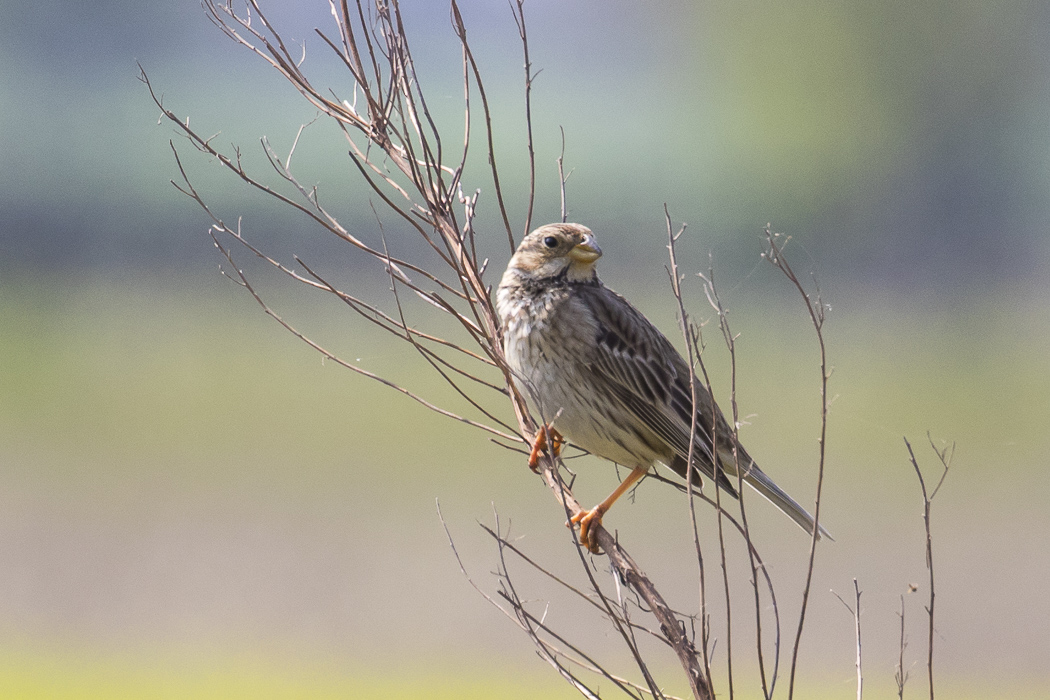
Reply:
x=587 y=519
x=539 y=446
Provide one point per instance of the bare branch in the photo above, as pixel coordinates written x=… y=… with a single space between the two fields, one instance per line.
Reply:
x=729 y=339
x=518 y=6
x=693 y=357
x=562 y=177
x=945 y=457
x=855 y=611
x=394 y=143
x=900 y=675
x=242 y=280
x=815 y=308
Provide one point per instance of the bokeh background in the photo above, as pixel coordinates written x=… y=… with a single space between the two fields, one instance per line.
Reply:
x=194 y=505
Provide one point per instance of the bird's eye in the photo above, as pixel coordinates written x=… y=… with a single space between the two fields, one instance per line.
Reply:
x=550 y=242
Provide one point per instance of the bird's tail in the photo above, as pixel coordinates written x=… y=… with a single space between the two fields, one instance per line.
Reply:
x=776 y=495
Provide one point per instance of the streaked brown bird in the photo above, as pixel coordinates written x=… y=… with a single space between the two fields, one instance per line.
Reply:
x=604 y=377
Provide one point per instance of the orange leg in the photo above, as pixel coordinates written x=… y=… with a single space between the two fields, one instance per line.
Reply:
x=589 y=518
x=540 y=445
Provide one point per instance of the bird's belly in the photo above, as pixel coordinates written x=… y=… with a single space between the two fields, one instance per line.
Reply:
x=600 y=425
x=608 y=437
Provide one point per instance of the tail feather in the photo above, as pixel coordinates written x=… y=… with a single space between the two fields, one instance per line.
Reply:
x=758 y=480
x=727 y=484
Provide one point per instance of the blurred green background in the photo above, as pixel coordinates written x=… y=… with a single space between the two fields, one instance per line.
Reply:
x=194 y=505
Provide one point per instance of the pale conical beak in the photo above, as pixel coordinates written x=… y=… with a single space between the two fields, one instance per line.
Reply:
x=587 y=251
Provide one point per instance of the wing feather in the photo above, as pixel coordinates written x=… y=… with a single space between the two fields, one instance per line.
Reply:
x=649 y=377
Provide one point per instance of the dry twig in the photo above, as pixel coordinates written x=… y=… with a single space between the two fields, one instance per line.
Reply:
x=900 y=675
x=945 y=457
x=401 y=156
x=855 y=611
x=815 y=308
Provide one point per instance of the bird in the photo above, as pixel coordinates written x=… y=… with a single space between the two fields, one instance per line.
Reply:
x=603 y=377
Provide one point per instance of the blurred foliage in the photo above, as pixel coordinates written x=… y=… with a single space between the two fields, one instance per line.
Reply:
x=900 y=140
x=107 y=385
x=135 y=375
x=904 y=146
x=143 y=371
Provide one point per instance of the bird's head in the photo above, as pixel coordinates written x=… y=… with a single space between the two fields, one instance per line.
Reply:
x=557 y=250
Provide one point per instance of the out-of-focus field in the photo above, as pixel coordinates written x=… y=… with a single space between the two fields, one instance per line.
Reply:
x=194 y=505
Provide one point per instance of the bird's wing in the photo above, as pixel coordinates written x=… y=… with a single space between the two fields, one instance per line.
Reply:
x=641 y=368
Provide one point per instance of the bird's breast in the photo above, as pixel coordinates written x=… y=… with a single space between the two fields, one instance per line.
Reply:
x=549 y=344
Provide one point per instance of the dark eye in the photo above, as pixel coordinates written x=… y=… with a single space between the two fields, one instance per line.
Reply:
x=550 y=242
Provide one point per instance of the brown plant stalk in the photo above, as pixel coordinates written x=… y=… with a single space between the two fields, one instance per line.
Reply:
x=399 y=153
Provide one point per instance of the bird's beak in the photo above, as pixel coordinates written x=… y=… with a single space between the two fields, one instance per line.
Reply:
x=586 y=251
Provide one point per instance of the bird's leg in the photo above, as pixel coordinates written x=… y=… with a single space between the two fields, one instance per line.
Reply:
x=589 y=518
x=540 y=445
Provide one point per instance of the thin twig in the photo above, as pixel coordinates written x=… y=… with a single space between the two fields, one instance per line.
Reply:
x=548 y=652
x=945 y=457
x=855 y=611
x=901 y=676
x=394 y=144
x=518 y=6
x=692 y=358
x=729 y=338
x=461 y=32
x=815 y=308
x=562 y=177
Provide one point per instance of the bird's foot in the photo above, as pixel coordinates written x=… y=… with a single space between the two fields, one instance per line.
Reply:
x=587 y=519
x=539 y=446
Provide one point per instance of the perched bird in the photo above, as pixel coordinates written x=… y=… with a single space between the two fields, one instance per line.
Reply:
x=599 y=373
